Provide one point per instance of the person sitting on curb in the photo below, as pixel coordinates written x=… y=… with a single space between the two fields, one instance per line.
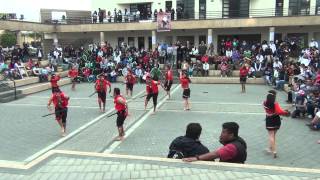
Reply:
x=188 y=145
x=233 y=151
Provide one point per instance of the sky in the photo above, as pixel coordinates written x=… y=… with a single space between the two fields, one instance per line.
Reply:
x=31 y=8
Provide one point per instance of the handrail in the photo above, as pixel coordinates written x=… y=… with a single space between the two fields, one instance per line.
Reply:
x=198 y=15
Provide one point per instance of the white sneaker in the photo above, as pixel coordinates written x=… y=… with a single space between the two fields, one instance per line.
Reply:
x=310 y=116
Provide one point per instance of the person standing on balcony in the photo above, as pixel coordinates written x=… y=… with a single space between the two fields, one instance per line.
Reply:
x=94 y=17
x=100 y=14
x=126 y=15
x=172 y=14
x=155 y=14
x=119 y=16
x=115 y=15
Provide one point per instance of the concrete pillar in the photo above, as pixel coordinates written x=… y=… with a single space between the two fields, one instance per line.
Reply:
x=174 y=39
x=196 y=40
x=101 y=37
x=209 y=36
x=154 y=39
x=213 y=38
x=146 y=42
x=313 y=7
x=271 y=34
x=55 y=39
x=196 y=9
x=19 y=39
x=285 y=7
x=310 y=36
x=136 y=42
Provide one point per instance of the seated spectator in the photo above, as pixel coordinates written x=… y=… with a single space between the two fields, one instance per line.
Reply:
x=233 y=151
x=205 y=67
x=190 y=70
x=224 y=69
x=113 y=76
x=315 y=123
x=268 y=76
x=300 y=105
x=188 y=145
x=280 y=80
x=198 y=68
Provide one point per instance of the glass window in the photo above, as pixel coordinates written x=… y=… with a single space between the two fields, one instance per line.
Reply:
x=299 y=7
x=235 y=8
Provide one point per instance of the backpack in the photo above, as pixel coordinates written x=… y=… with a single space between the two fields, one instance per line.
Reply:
x=175 y=154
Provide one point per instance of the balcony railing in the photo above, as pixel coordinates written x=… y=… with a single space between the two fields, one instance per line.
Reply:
x=184 y=16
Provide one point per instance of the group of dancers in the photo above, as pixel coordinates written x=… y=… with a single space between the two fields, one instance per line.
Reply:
x=60 y=100
x=102 y=85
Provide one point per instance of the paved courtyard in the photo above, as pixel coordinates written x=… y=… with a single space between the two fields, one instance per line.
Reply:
x=25 y=136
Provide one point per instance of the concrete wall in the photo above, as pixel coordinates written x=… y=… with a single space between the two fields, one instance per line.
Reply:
x=260 y=8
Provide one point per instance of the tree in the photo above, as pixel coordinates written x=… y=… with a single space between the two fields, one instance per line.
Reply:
x=8 y=39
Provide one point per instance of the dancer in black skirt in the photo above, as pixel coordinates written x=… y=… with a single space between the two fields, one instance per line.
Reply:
x=273 y=121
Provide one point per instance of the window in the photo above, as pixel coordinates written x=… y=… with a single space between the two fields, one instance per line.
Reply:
x=318 y=7
x=203 y=38
x=185 y=9
x=279 y=7
x=299 y=7
x=131 y=41
x=235 y=8
x=202 y=9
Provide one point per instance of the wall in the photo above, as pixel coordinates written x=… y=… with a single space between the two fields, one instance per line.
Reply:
x=260 y=8
x=214 y=9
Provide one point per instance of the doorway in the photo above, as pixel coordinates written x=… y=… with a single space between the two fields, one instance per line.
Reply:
x=140 y=42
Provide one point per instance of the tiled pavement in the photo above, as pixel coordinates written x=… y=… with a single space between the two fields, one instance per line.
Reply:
x=23 y=135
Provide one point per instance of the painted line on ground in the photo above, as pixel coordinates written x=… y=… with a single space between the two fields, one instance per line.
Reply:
x=138 y=123
x=211 y=112
x=71 y=98
x=73 y=133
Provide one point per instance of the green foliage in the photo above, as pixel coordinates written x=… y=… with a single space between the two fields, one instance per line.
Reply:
x=8 y=39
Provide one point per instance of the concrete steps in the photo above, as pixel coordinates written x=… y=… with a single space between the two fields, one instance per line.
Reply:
x=27 y=86
x=224 y=80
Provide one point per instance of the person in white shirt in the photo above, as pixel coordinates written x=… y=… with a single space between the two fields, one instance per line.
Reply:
x=313 y=43
x=277 y=63
x=229 y=53
x=205 y=68
x=259 y=58
x=272 y=47
x=139 y=74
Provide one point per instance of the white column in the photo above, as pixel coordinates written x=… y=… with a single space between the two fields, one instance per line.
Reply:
x=209 y=36
x=146 y=43
x=271 y=34
x=313 y=7
x=196 y=9
x=174 y=39
x=215 y=41
x=310 y=36
x=154 y=39
x=101 y=37
x=196 y=40
x=55 y=39
x=285 y=7
x=19 y=39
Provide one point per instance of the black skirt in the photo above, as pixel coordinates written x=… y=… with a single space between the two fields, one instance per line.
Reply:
x=243 y=79
x=273 y=122
x=186 y=93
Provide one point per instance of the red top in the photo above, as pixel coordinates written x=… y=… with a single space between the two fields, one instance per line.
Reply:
x=101 y=85
x=118 y=106
x=54 y=81
x=244 y=71
x=277 y=109
x=130 y=79
x=228 y=44
x=146 y=59
x=205 y=59
x=227 y=152
x=59 y=100
x=152 y=87
x=73 y=73
x=184 y=83
x=169 y=75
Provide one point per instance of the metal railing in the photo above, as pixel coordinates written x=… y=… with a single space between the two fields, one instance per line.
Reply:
x=183 y=16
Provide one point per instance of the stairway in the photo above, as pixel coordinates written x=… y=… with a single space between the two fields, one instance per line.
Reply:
x=8 y=93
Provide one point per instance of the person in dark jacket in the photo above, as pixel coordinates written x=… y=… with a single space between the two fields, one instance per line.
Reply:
x=233 y=151
x=188 y=145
